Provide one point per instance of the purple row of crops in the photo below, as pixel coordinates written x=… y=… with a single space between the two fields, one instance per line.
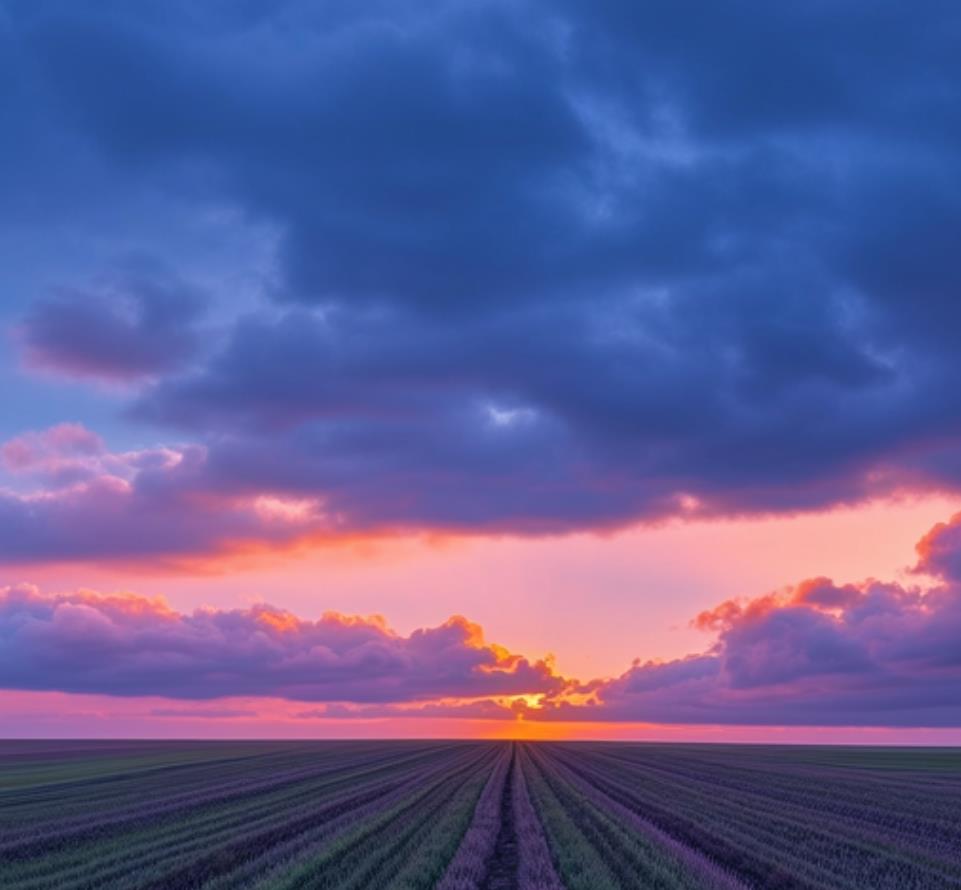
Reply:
x=476 y=816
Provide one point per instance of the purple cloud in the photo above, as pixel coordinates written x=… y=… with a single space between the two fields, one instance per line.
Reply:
x=69 y=497
x=134 y=326
x=128 y=645
x=939 y=551
x=478 y=709
x=64 y=454
x=203 y=713
x=521 y=277
x=820 y=654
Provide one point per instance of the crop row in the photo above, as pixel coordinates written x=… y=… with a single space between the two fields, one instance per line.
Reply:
x=476 y=816
x=779 y=827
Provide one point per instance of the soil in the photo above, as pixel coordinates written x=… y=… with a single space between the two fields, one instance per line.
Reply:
x=502 y=866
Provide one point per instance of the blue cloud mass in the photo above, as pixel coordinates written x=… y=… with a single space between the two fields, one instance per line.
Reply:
x=537 y=266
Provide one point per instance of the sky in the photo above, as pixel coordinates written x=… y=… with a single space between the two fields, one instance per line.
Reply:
x=502 y=369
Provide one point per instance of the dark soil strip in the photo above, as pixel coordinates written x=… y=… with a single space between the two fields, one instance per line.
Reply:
x=502 y=868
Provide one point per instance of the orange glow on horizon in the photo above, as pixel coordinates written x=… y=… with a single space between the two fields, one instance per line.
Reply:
x=66 y=715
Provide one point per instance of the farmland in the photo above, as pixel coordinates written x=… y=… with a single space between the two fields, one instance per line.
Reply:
x=489 y=815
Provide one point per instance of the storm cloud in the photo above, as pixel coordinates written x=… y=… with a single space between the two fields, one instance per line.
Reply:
x=538 y=267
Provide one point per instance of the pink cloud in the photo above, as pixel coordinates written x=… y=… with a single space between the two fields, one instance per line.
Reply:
x=477 y=709
x=63 y=454
x=203 y=713
x=87 y=502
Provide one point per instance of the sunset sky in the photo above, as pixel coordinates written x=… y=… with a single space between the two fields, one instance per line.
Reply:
x=502 y=369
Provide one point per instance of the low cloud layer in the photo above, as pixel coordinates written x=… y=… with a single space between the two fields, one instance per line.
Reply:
x=129 y=645
x=819 y=653
x=816 y=654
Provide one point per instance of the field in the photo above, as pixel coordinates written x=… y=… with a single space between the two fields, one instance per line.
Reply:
x=457 y=815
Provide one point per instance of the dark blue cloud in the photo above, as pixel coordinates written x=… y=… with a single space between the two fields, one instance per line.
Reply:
x=138 y=322
x=538 y=267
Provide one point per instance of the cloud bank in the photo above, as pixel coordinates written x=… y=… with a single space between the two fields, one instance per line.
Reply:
x=818 y=653
x=536 y=269
x=815 y=654
x=129 y=645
